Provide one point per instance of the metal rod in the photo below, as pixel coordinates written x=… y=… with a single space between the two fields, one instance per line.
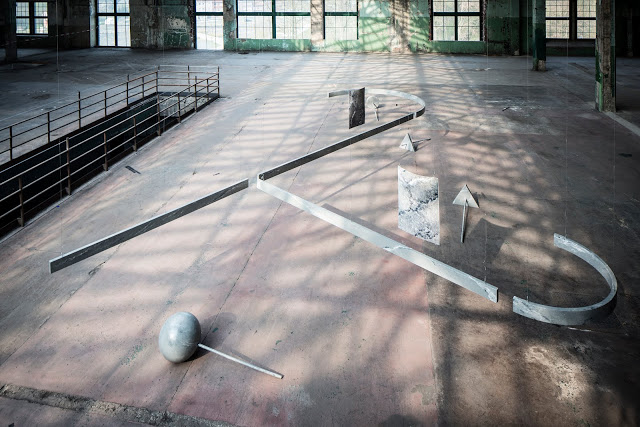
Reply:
x=135 y=135
x=127 y=90
x=179 y=109
x=464 y=220
x=48 y=127
x=10 y=142
x=141 y=228
x=242 y=362
x=68 y=168
x=424 y=261
x=158 y=106
x=79 y=112
x=106 y=162
x=105 y=103
x=195 y=93
x=21 y=220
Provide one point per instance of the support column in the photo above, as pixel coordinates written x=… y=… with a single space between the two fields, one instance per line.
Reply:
x=317 y=24
x=8 y=11
x=538 y=19
x=230 y=25
x=605 y=56
x=630 y=31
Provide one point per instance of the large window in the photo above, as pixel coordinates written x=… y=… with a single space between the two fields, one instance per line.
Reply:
x=32 y=17
x=340 y=20
x=586 y=19
x=457 y=20
x=274 y=19
x=113 y=23
x=571 y=19
x=209 y=24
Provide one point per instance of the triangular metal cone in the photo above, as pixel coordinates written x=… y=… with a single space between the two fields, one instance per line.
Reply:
x=407 y=143
x=465 y=195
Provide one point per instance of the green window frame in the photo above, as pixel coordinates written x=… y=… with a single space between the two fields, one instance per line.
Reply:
x=209 y=20
x=457 y=20
x=113 y=23
x=341 y=20
x=571 y=19
x=32 y=18
x=277 y=18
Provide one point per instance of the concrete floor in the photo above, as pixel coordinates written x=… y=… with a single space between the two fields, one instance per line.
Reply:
x=362 y=337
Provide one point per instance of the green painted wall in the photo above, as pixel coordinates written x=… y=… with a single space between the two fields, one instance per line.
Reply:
x=405 y=26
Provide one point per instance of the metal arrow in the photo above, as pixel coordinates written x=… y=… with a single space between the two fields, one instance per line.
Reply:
x=466 y=199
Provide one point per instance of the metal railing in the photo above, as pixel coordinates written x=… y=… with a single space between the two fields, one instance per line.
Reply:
x=26 y=135
x=148 y=104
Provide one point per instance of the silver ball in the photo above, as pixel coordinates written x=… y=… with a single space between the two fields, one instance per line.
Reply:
x=179 y=337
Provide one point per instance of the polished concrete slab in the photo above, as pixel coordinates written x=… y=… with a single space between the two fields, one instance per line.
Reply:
x=361 y=337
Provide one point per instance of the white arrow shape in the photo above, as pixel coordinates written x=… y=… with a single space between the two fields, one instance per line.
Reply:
x=407 y=143
x=466 y=199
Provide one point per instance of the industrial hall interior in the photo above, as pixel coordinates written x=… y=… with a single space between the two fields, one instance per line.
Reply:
x=319 y=212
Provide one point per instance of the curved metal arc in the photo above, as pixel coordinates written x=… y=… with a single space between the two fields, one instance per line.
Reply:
x=572 y=315
x=387 y=92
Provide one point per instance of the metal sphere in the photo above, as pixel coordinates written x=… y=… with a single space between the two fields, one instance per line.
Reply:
x=179 y=337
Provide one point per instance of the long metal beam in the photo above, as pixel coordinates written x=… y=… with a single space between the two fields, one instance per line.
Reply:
x=443 y=270
x=572 y=315
x=124 y=235
x=131 y=232
x=292 y=164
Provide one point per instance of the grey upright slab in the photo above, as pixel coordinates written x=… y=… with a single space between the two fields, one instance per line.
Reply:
x=418 y=205
x=356 y=107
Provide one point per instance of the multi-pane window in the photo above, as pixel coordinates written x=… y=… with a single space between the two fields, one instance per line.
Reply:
x=456 y=20
x=274 y=19
x=341 y=20
x=586 y=19
x=557 y=19
x=114 y=23
x=32 y=17
x=209 y=24
x=571 y=19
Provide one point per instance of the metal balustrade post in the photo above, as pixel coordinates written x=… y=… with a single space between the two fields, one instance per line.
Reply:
x=127 y=90
x=79 y=112
x=68 y=167
x=105 y=103
x=195 y=93
x=10 y=142
x=48 y=127
x=179 y=109
x=135 y=135
x=158 y=110
x=105 y=165
x=21 y=195
x=189 y=77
